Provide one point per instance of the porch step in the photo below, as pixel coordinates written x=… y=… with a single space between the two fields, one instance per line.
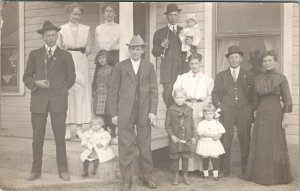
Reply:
x=16 y=153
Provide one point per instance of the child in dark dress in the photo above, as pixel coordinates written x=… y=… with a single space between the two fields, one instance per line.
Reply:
x=101 y=88
x=180 y=128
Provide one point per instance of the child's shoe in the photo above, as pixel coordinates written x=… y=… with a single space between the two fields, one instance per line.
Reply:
x=186 y=179
x=216 y=178
x=85 y=172
x=205 y=177
x=175 y=180
x=216 y=175
x=205 y=174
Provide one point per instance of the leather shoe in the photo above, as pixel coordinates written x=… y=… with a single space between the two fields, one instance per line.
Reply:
x=216 y=178
x=126 y=187
x=33 y=176
x=64 y=176
x=149 y=183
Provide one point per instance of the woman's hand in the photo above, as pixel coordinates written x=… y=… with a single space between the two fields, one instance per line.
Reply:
x=284 y=122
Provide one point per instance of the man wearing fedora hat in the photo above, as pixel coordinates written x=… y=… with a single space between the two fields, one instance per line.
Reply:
x=233 y=95
x=167 y=45
x=49 y=73
x=133 y=100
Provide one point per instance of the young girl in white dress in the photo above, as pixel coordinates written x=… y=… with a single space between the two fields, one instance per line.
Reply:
x=209 y=145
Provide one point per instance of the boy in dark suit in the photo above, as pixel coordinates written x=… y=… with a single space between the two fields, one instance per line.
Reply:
x=233 y=95
x=49 y=74
x=133 y=100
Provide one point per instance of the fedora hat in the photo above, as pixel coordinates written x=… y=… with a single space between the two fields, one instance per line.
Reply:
x=171 y=8
x=48 y=26
x=136 y=41
x=234 y=49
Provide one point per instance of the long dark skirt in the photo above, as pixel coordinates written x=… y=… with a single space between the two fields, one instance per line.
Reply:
x=268 y=161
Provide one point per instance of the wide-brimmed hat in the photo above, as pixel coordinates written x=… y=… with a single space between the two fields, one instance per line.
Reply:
x=171 y=8
x=234 y=49
x=136 y=41
x=48 y=26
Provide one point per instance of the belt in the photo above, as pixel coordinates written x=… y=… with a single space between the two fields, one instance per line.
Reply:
x=194 y=100
x=82 y=50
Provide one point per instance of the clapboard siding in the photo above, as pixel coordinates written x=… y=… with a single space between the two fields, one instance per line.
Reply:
x=293 y=129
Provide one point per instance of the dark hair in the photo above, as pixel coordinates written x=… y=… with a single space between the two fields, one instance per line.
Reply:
x=114 y=6
x=270 y=53
x=195 y=56
x=70 y=7
x=101 y=53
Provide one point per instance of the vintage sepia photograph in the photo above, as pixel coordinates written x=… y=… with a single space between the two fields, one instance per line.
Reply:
x=136 y=96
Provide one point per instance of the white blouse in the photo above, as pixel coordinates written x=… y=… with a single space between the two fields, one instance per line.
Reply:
x=107 y=36
x=197 y=86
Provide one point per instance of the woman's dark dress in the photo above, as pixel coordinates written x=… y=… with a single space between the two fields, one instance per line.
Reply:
x=268 y=161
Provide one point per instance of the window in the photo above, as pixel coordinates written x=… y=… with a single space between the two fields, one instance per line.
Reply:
x=255 y=27
x=12 y=48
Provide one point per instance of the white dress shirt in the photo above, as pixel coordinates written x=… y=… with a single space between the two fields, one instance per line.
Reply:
x=53 y=48
x=237 y=71
x=171 y=27
x=135 y=65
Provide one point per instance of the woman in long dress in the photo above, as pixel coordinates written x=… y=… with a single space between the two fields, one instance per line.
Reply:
x=75 y=38
x=198 y=87
x=268 y=161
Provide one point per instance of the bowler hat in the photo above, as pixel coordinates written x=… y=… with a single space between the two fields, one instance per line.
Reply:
x=234 y=49
x=136 y=41
x=171 y=8
x=48 y=26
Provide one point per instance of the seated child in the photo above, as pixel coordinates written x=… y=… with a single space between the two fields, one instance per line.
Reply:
x=193 y=32
x=96 y=146
x=209 y=146
x=180 y=128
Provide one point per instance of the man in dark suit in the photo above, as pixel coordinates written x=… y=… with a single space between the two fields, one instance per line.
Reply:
x=233 y=95
x=167 y=45
x=49 y=74
x=133 y=103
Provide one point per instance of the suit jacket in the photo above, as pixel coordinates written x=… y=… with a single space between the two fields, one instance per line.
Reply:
x=123 y=89
x=61 y=75
x=173 y=62
x=221 y=86
x=172 y=124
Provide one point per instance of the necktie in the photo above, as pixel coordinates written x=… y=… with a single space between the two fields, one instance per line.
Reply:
x=234 y=74
x=174 y=29
x=50 y=53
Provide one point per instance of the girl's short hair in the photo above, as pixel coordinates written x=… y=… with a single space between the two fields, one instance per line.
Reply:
x=209 y=107
x=195 y=56
x=103 y=53
x=179 y=90
x=270 y=53
x=70 y=7
x=114 y=6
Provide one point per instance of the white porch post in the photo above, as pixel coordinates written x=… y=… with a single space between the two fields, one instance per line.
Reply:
x=126 y=24
x=208 y=31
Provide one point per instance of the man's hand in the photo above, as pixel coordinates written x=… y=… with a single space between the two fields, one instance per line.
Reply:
x=165 y=44
x=152 y=119
x=42 y=84
x=174 y=139
x=188 y=41
x=114 y=120
x=193 y=141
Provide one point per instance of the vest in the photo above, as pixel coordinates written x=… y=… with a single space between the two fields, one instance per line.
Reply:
x=136 y=103
x=234 y=95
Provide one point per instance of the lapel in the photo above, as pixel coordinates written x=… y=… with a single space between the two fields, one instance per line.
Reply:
x=228 y=76
x=142 y=69
x=129 y=69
